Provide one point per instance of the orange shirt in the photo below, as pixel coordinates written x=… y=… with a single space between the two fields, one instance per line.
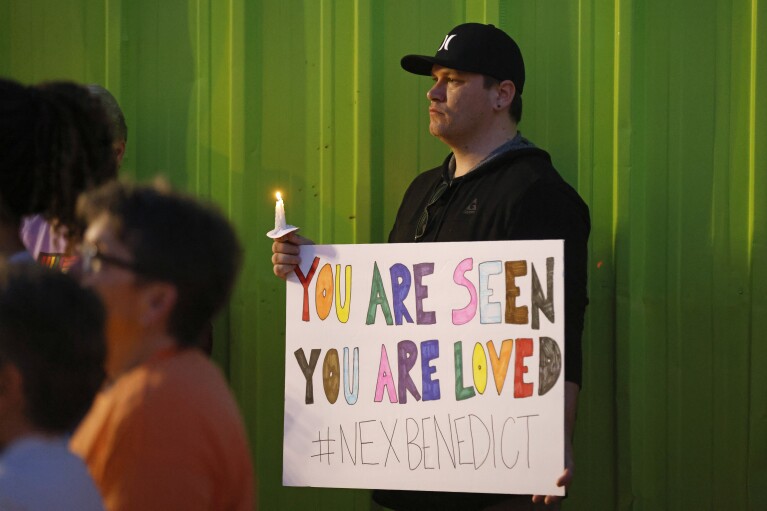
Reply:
x=168 y=435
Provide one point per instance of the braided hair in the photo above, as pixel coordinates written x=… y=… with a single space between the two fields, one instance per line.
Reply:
x=55 y=142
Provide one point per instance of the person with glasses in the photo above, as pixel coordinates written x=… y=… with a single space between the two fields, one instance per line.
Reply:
x=166 y=432
x=494 y=185
x=51 y=366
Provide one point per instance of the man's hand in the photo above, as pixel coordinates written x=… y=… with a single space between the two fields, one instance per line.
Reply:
x=564 y=480
x=285 y=251
x=571 y=407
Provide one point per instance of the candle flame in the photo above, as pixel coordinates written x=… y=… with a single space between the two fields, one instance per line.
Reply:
x=279 y=196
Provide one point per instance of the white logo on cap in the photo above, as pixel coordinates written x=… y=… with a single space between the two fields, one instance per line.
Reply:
x=446 y=42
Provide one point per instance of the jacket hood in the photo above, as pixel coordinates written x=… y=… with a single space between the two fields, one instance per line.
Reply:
x=490 y=164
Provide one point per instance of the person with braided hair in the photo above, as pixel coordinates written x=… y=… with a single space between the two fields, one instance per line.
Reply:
x=55 y=142
x=47 y=246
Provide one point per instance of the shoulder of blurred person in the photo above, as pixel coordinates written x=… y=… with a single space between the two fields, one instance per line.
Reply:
x=40 y=474
x=168 y=434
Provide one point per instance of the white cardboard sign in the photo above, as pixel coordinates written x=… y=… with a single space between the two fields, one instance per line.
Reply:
x=431 y=366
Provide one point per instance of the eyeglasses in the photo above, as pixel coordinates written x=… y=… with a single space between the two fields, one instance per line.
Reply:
x=91 y=259
x=423 y=221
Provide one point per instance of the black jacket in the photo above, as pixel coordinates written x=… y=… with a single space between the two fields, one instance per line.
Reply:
x=517 y=195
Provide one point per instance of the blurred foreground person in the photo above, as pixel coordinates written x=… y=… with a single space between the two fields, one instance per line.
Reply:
x=55 y=142
x=166 y=433
x=42 y=240
x=51 y=365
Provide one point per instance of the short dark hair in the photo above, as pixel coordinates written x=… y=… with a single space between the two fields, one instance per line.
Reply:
x=56 y=142
x=177 y=239
x=515 y=110
x=52 y=330
x=113 y=111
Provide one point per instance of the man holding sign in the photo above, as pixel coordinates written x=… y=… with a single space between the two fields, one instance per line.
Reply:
x=495 y=185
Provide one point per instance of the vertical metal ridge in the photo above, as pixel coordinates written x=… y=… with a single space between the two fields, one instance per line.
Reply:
x=580 y=93
x=321 y=116
x=753 y=366
x=752 y=130
x=356 y=119
x=198 y=98
x=616 y=115
x=230 y=108
x=106 y=44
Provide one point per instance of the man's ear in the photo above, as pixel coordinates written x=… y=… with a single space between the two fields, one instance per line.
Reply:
x=157 y=302
x=505 y=94
x=119 y=148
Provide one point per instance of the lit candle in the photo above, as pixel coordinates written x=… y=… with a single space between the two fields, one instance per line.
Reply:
x=279 y=214
x=281 y=227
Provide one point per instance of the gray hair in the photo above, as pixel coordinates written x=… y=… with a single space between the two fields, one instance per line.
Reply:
x=112 y=109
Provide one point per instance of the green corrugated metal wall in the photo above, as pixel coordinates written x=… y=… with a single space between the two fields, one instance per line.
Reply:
x=655 y=110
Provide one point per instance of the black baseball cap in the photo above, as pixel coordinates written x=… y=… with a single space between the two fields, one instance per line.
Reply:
x=475 y=48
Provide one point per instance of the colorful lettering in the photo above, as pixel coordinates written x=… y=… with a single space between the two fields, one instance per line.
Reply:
x=385 y=379
x=500 y=363
x=323 y=292
x=342 y=310
x=407 y=354
x=549 y=364
x=307 y=368
x=305 y=280
x=429 y=351
x=352 y=394
x=400 y=287
x=463 y=316
x=514 y=315
x=489 y=312
x=422 y=317
x=378 y=298
x=330 y=375
x=540 y=302
x=461 y=392
x=524 y=348
x=479 y=367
